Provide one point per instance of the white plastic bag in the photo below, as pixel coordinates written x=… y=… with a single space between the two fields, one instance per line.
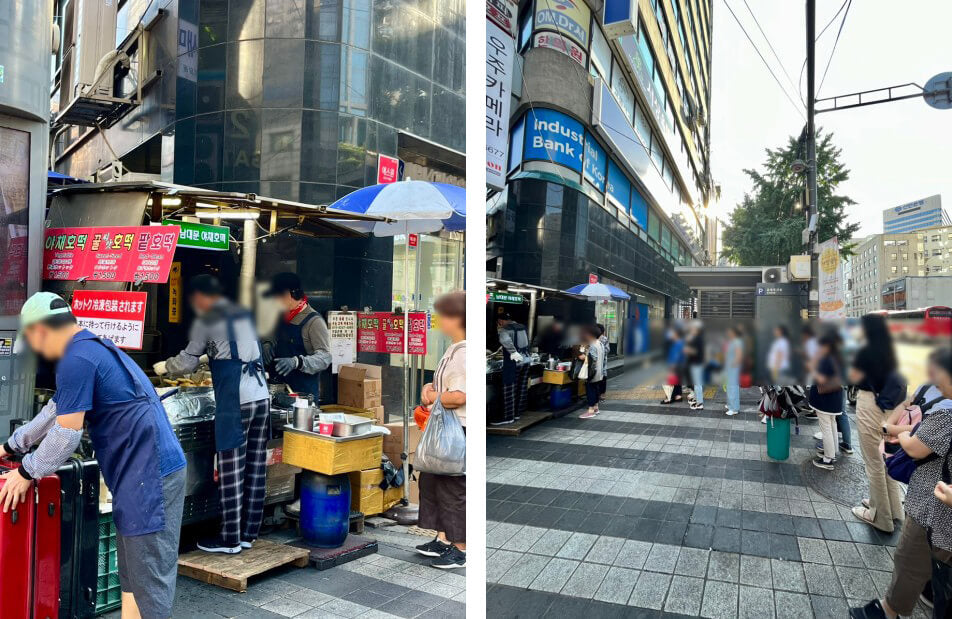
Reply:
x=442 y=447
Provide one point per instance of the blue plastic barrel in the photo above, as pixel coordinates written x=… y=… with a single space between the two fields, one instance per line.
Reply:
x=326 y=504
x=560 y=397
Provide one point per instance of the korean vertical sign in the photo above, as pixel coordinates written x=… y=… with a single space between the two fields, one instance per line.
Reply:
x=497 y=102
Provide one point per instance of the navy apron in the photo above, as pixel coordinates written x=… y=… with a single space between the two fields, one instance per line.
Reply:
x=289 y=342
x=226 y=375
x=130 y=466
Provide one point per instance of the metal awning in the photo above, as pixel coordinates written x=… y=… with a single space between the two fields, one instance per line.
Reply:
x=168 y=200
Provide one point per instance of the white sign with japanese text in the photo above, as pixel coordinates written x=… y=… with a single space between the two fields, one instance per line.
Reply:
x=343 y=333
x=115 y=315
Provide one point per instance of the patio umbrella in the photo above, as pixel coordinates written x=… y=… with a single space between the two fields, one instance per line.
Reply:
x=415 y=207
x=599 y=292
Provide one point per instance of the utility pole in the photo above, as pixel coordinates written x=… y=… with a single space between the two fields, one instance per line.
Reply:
x=812 y=207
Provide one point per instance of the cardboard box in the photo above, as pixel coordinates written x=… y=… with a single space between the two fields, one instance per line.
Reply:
x=394 y=443
x=359 y=385
x=367 y=496
x=314 y=452
x=555 y=377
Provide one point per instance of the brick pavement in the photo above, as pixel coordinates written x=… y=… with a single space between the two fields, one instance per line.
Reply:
x=395 y=582
x=659 y=511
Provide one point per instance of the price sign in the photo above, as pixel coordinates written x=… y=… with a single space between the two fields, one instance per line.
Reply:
x=110 y=254
x=384 y=332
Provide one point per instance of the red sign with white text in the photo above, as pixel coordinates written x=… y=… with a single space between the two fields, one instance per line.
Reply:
x=110 y=253
x=593 y=278
x=387 y=169
x=383 y=332
x=118 y=316
x=412 y=240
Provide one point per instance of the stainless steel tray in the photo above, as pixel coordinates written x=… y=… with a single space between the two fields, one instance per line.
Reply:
x=336 y=439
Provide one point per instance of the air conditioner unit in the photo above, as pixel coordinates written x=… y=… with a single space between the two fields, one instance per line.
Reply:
x=89 y=33
x=775 y=275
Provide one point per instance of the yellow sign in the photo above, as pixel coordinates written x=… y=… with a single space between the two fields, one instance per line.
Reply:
x=175 y=292
x=568 y=17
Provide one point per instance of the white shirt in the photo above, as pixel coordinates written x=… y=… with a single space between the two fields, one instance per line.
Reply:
x=451 y=375
x=780 y=348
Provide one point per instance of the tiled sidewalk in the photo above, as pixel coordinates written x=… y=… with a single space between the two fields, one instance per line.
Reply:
x=659 y=511
x=395 y=582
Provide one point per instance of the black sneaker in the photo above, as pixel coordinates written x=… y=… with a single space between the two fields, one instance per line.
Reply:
x=451 y=559
x=215 y=544
x=434 y=548
x=872 y=610
x=824 y=463
x=844 y=448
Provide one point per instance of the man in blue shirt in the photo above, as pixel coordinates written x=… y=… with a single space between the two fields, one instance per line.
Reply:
x=141 y=460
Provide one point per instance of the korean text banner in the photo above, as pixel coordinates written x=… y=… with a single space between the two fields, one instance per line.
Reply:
x=383 y=332
x=111 y=253
x=115 y=315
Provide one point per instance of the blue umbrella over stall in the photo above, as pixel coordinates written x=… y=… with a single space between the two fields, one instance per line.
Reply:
x=599 y=292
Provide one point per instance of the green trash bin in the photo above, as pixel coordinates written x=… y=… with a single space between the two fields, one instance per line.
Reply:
x=777 y=438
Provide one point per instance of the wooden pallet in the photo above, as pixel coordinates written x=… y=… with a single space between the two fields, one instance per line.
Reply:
x=233 y=571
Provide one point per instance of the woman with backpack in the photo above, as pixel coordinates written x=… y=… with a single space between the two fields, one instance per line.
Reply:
x=924 y=552
x=825 y=396
x=675 y=361
x=871 y=370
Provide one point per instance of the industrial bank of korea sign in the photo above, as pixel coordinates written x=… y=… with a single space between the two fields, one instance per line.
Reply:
x=552 y=136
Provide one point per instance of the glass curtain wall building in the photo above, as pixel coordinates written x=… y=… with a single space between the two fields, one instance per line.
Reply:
x=293 y=99
x=608 y=169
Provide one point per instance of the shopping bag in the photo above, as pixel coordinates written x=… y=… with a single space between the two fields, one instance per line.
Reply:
x=672 y=380
x=421 y=415
x=442 y=447
x=668 y=392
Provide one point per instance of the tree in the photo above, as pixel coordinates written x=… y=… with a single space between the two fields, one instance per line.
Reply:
x=766 y=228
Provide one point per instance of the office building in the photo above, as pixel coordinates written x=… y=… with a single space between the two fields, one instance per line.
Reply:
x=907 y=293
x=608 y=170
x=293 y=100
x=924 y=213
x=880 y=258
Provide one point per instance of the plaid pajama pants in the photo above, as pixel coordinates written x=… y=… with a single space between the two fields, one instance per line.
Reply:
x=242 y=477
x=522 y=373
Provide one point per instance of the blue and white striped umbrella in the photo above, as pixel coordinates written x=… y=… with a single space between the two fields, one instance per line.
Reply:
x=416 y=207
x=599 y=292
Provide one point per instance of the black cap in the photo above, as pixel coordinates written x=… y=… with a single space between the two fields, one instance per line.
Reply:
x=284 y=282
x=205 y=284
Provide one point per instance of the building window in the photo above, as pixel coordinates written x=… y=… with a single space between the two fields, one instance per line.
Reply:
x=600 y=54
x=621 y=90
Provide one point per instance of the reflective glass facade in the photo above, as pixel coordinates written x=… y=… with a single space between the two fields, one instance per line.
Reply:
x=296 y=98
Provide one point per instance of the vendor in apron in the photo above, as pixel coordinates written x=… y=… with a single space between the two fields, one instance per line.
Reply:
x=300 y=349
x=225 y=332
x=141 y=460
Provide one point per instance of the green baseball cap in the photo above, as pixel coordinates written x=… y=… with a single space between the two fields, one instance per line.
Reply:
x=41 y=306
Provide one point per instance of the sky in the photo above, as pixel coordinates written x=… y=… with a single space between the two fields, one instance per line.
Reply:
x=895 y=152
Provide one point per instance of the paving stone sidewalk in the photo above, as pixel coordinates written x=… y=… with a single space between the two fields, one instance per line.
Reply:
x=659 y=511
x=395 y=582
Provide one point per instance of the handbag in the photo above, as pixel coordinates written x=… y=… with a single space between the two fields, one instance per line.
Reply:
x=442 y=448
x=901 y=466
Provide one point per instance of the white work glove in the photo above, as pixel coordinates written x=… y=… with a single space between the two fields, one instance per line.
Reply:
x=517 y=357
x=159 y=368
x=203 y=359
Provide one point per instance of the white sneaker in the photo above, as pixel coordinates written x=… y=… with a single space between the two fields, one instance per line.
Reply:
x=763 y=420
x=730 y=413
x=817 y=436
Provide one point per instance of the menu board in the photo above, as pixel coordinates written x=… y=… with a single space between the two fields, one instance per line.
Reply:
x=384 y=332
x=343 y=331
x=115 y=315
x=110 y=253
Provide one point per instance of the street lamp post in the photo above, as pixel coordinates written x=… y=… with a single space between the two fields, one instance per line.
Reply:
x=811 y=207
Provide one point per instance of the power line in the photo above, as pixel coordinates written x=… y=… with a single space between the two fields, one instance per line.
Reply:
x=802 y=112
x=818 y=36
x=771 y=48
x=835 y=44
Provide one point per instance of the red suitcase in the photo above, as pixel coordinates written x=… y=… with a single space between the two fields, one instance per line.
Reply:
x=30 y=552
